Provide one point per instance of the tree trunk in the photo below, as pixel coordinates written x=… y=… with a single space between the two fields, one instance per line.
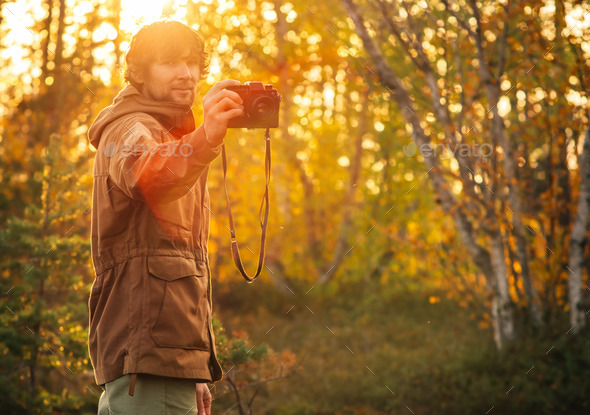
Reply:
x=342 y=244
x=492 y=89
x=117 y=42
x=45 y=42
x=502 y=310
x=57 y=91
x=578 y=240
x=311 y=222
x=491 y=83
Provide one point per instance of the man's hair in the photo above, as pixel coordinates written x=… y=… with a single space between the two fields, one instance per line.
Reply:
x=164 y=39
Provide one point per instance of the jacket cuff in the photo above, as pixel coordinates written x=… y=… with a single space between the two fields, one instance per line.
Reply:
x=217 y=147
x=202 y=149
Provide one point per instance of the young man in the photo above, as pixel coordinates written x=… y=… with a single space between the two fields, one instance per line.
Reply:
x=150 y=338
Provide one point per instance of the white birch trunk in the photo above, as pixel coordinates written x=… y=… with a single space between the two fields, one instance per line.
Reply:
x=578 y=240
x=503 y=306
x=496 y=323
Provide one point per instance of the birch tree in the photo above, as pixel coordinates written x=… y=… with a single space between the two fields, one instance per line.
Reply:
x=578 y=241
x=467 y=57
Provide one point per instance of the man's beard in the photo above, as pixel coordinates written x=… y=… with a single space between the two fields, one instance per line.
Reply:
x=173 y=94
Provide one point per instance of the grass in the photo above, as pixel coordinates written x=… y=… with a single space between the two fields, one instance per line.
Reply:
x=360 y=352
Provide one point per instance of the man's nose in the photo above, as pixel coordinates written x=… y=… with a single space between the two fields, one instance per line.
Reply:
x=184 y=71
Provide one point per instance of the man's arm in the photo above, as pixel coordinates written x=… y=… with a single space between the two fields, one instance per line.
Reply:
x=147 y=169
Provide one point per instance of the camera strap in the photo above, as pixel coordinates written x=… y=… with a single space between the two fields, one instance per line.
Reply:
x=263 y=220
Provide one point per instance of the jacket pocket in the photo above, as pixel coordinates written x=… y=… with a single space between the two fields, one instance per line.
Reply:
x=178 y=294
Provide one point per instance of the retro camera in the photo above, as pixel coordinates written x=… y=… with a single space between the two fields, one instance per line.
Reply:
x=261 y=106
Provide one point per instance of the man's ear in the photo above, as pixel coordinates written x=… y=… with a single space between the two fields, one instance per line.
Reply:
x=138 y=76
x=134 y=74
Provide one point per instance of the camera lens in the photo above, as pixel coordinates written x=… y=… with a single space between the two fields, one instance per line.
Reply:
x=261 y=108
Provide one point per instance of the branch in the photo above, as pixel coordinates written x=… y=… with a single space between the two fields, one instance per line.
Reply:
x=502 y=51
x=407 y=45
x=461 y=22
x=237 y=393
x=442 y=111
x=264 y=382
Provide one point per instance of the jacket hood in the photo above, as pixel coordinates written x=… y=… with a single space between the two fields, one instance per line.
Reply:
x=176 y=118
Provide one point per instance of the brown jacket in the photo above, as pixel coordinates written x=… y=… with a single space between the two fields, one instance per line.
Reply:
x=150 y=305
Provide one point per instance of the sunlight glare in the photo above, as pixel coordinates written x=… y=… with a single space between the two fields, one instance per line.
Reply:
x=136 y=13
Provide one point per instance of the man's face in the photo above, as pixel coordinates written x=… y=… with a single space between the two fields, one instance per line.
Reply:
x=173 y=79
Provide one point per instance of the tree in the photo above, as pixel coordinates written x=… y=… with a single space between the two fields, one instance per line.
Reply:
x=44 y=321
x=248 y=368
x=454 y=92
x=45 y=252
x=578 y=240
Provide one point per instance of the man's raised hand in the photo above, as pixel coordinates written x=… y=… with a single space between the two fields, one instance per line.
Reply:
x=219 y=106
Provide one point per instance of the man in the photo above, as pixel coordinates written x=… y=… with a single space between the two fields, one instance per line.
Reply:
x=150 y=337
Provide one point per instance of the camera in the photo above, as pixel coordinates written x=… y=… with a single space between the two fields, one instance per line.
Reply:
x=261 y=106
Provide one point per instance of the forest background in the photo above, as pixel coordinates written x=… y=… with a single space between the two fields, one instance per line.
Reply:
x=427 y=248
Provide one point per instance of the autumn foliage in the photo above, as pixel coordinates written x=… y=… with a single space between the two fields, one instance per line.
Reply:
x=428 y=239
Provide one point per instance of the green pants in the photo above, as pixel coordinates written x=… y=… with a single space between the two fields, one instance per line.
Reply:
x=154 y=395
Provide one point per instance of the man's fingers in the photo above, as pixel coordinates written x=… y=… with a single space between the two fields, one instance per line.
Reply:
x=219 y=96
x=228 y=115
x=225 y=110
x=226 y=104
x=222 y=85
x=207 y=399
x=200 y=403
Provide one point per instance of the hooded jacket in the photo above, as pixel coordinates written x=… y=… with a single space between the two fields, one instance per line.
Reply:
x=150 y=304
